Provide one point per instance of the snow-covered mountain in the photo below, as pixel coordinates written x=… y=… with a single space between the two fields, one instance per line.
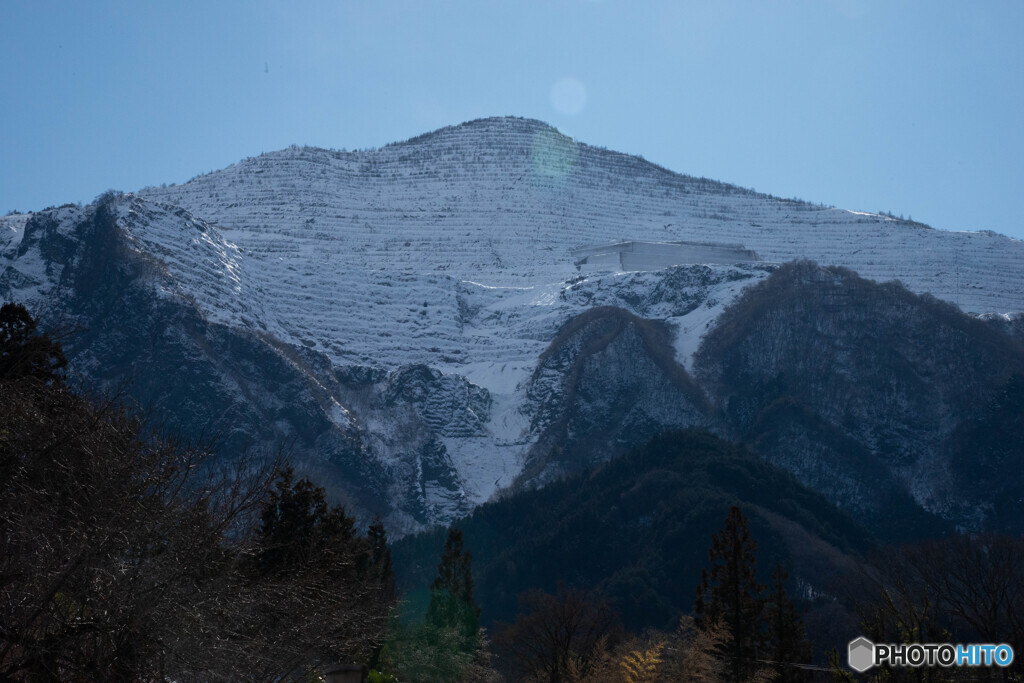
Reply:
x=410 y=296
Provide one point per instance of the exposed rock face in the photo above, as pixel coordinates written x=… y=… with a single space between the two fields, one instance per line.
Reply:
x=244 y=388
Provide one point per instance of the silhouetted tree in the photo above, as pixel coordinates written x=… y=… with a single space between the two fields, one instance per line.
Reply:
x=299 y=528
x=451 y=593
x=316 y=580
x=380 y=557
x=25 y=352
x=449 y=644
x=730 y=593
x=117 y=549
x=557 y=637
x=954 y=589
x=787 y=641
x=128 y=556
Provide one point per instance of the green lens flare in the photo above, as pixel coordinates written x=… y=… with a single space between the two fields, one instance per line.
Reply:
x=552 y=157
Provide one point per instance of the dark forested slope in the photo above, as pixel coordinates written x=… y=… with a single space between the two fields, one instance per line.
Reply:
x=881 y=399
x=638 y=528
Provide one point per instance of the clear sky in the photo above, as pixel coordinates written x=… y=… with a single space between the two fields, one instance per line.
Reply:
x=913 y=107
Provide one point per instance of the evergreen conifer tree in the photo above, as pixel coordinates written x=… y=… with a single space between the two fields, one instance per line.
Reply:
x=24 y=352
x=448 y=642
x=380 y=556
x=730 y=593
x=787 y=638
x=312 y=565
x=298 y=527
x=451 y=593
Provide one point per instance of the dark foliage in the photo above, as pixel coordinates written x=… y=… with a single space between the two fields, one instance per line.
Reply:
x=26 y=352
x=787 y=636
x=762 y=628
x=115 y=560
x=451 y=593
x=961 y=589
x=380 y=558
x=849 y=382
x=298 y=527
x=126 y=556
x=448 y=644
x=318 y=580
x=556 y=637
x=636 y=528
x=730 y=594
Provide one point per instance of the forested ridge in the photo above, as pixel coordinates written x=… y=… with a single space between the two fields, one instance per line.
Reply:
x=129 y=554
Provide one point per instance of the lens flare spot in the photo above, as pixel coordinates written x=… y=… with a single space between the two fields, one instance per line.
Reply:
x=552 y=157
x=568 y=96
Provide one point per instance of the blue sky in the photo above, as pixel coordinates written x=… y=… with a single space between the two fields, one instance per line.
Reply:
x=913 y=107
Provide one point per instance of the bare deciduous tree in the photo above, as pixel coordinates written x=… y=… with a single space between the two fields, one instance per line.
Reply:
x=557 y=637
x=126 y=556
x=115 y=548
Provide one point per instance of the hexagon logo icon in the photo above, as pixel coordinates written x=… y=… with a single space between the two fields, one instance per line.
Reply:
x=861 y=654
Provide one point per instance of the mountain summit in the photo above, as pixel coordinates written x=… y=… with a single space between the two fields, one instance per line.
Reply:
x=480 y=307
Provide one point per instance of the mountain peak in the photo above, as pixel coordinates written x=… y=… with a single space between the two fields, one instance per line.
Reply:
x=491 y=124
x=483 y=131
x=331 y=273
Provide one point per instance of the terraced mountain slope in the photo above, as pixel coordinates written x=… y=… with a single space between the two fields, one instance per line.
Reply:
x=504 y=201
x=409 y=296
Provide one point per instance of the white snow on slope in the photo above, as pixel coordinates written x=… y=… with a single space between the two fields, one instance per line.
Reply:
x=454 y=249
x=375 y=257
x=504 y=201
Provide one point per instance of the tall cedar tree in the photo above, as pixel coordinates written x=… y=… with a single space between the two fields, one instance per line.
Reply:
x=448 y=642
x=380 y=557
x=788 y=643
x=730 y=593
x=451 y=593
x=381 y=570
